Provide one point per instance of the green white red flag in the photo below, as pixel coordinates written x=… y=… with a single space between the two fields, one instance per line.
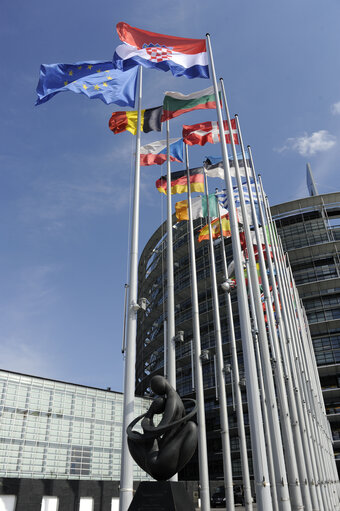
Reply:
x=176 y=103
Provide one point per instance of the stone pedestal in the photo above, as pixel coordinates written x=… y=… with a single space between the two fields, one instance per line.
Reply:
x=161 y=496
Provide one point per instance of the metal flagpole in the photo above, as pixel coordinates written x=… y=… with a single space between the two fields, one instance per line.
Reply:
x=296 y=469
x=284 y=293
x=226 y=452
x=310 y=402
x=277 y=439
x=126 y=471
x=312 y=399
x=171 y=358
x=255 y=332
x=248 y=501
x=311 y=463
x=318 y=410
x=202 y=438
x=260 y=464
x=170 y=323
x=300 y=441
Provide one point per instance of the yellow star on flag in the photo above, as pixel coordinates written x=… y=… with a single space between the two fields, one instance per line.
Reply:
x=65 y=83
x=85 y=86
x=97 y=87
x=105 y=84
x=70 y=72
x=109 y=77
x=79 y=67
x=90 y=66
x=98 y=71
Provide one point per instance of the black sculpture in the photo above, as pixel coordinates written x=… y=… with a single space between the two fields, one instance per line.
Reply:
x=163 y=450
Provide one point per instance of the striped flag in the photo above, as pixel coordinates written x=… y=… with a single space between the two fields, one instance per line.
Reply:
x=156 y=152
x=127 y=121
x=176 y=103
x=223 y=199
x=199 y=207
x=183 y=57
x=217 y=169
x=179 y=181
x=216 y=231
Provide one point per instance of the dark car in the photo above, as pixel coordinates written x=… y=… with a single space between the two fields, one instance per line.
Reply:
x=218 y=497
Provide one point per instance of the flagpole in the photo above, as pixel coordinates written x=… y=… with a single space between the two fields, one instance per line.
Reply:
x=292 y=334
x=302 y=452
x=291 y=472
x=126 y=471
x=226 y=452
x=171 y=355
x=255 y=332
x=248 y=500
x=260 y=464
x=202 y=438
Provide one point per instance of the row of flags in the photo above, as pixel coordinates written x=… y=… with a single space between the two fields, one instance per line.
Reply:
x=116 y=82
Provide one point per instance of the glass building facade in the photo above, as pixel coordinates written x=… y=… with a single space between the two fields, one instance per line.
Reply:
x=57 y=430
x=310 y=232
x=150 y=336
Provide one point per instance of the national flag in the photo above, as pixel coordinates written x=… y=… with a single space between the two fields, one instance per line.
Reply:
x=184 y=57
x=176 y=103
x=204 y=132
x=156 y=152
x=94 y=79
x=223 y=200
x=179 y=181
x=199 y=207
x=217 y=169
x=215 y=225
x=215 y=228
x=150 y=121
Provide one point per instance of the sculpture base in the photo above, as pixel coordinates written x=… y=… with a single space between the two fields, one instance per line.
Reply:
x=161 y=496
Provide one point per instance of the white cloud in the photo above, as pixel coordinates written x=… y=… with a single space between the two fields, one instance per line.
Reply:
x=308 y=145
x=335 y=108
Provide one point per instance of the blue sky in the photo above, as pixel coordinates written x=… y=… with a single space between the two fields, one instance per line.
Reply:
x=65 y=178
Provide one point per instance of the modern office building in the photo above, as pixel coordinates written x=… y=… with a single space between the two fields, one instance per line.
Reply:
x=150 y=335
x=60 y=445
x=310 y=231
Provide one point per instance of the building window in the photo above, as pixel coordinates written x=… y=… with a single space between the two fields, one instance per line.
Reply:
x=7 y=502
x=86 y=504
x=80 y=460
x=49 y=504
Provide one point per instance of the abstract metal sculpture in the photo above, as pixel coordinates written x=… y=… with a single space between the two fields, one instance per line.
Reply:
x=163 y=450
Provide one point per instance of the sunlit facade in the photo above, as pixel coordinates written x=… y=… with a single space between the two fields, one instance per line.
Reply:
x=62 y=441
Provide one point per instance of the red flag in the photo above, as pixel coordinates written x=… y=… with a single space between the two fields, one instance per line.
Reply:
x=208 y=132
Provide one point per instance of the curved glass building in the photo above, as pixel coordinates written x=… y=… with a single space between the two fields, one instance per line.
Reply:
x=151 y=336
x=310 y=232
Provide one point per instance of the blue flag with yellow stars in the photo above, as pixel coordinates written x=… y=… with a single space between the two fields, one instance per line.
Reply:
x=94 y=79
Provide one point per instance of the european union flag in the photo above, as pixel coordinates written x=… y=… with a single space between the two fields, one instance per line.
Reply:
x=94 y=79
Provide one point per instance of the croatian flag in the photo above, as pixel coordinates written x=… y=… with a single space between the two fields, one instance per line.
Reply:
x=184 y=57
x=156 y=152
